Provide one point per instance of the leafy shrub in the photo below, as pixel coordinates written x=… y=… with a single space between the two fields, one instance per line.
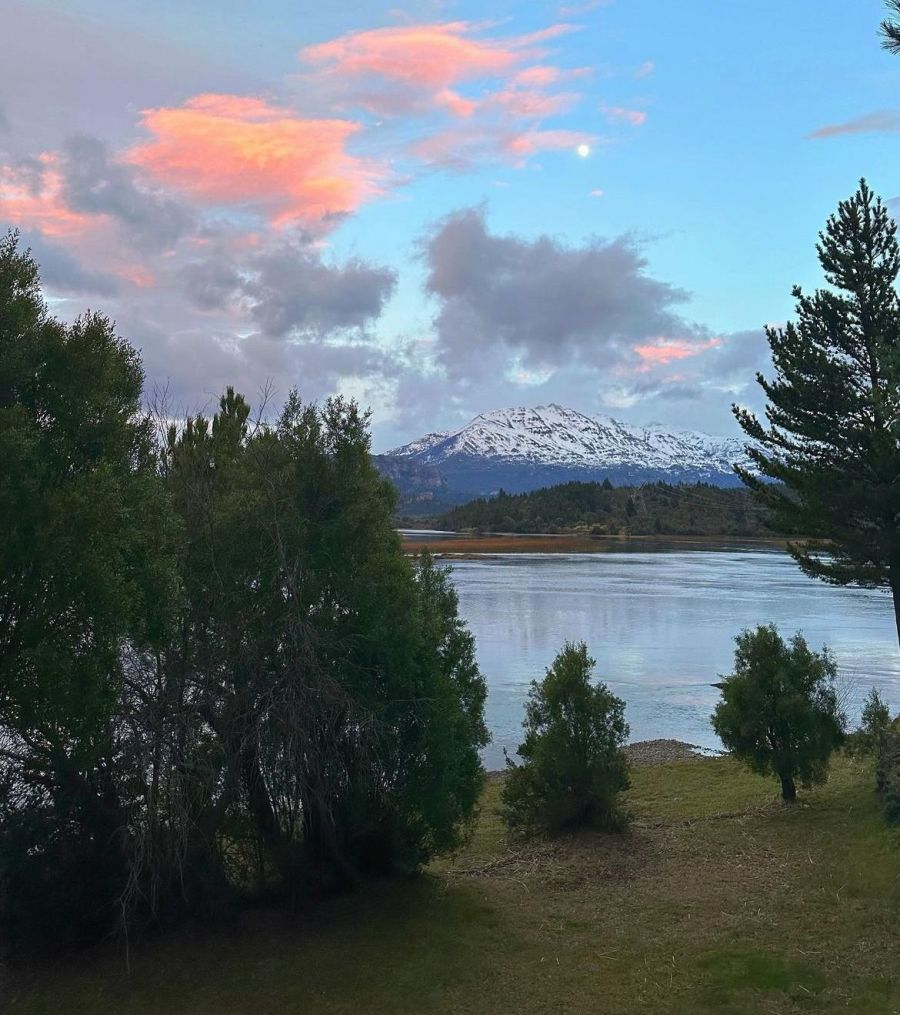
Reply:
x=779 y=712
x=573 y=768
x=876 y=717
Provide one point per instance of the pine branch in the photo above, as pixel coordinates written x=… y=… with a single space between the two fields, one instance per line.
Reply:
x=890 y=28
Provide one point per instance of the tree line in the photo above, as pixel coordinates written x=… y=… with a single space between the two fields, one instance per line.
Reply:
x=603 y=509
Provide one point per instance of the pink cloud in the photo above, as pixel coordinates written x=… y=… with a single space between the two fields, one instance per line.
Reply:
x=483 y=98
x=530 y=142
x=138 y=275
x=418 y=67
x=36 y=200
x=884 y=122
x=456 y=103
x=461 y=147
x=429 y=56
x=619 y=114
x=531 y=103
x=662 y=351
x=538 y=76
x=231 y=150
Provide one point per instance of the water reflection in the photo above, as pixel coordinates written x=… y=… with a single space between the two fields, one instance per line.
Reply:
x=661 y=627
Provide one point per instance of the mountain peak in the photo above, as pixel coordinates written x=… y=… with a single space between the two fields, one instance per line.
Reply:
x=559 y=438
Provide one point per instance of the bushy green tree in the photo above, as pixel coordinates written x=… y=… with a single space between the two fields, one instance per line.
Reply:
x=573 y=769
x=874 y=721
x=779 y=712
x=338 y=684
x=832 y=443
x=85 y=566
x=219 y=673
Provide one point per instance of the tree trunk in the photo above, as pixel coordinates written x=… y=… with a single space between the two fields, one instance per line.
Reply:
x=895 y=592
x=788 y=789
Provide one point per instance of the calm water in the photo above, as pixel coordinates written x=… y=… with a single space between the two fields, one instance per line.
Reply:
x=661 y=626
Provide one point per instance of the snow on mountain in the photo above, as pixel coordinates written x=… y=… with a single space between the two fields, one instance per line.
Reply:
x=552 y=436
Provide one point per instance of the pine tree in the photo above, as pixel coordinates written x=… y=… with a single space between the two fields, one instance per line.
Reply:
x=832 y=443
x=890 y=28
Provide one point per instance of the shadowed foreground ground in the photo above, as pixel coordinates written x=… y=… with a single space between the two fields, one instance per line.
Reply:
x=717 y=900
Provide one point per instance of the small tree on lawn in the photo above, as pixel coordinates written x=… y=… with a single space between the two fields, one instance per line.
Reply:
x=874 y=722
x=779 y=711
x=573 y=768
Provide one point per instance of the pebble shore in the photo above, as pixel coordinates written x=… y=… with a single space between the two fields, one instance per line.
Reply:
x=644 y=753
x=661 y=752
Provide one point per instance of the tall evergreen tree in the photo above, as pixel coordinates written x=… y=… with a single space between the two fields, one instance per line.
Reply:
x=890 y=28
x=832 y=443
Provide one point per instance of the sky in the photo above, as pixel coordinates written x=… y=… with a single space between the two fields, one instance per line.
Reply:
x=445 y=207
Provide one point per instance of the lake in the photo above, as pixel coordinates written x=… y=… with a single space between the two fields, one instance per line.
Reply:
x=661 y=627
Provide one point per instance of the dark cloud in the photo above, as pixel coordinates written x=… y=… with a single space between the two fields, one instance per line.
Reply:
x=295 y=291
x=741 y=352
x=545 y=303
x=95 y=183
x=62 y=73
x=61 y=273
x=211 y=282
x=195 y=366
x=289 y=291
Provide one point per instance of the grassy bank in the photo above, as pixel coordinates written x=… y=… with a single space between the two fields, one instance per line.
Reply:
x=718 y=899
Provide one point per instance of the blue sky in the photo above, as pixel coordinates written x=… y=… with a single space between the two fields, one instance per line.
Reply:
x=366 y=217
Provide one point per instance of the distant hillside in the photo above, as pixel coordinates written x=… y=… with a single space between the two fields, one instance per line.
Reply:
x=421 y=489
x=524 y=449
x=602 y=509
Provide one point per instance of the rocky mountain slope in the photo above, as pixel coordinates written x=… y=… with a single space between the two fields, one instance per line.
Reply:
x=521 y=449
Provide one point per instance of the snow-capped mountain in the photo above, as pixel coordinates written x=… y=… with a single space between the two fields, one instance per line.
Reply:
x=524 y=448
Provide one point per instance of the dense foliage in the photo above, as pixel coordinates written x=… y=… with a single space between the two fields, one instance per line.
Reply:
x=832 y=438
x=86 y=564
x=602 y=509
x=573 y=768
x=219 y=674
x=779 y=711
x=874 y=721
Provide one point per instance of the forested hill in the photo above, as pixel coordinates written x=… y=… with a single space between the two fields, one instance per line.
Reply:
x=602 y=509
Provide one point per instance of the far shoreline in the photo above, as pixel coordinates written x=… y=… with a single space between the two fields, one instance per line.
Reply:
x=461 y=545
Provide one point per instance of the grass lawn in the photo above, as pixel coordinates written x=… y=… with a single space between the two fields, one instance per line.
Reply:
x=718 y=899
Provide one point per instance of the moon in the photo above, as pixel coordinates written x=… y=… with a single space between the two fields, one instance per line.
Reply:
x=583 y=150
